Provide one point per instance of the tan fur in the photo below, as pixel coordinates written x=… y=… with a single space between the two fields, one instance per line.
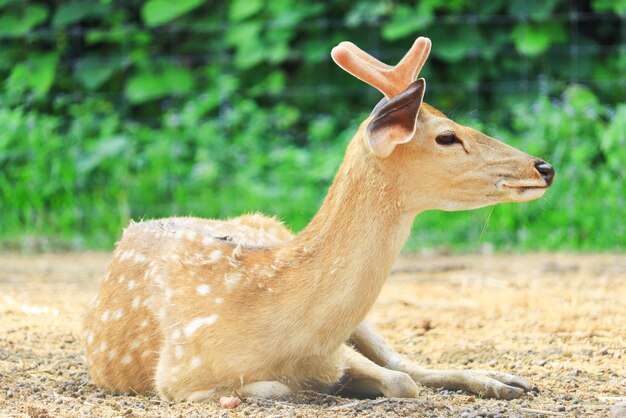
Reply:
x=192 y=307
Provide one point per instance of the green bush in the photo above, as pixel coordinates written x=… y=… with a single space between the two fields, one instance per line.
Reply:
x=118 y=110
x=80 y=187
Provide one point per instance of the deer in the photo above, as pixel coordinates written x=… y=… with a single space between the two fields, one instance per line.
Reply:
x=192 y=309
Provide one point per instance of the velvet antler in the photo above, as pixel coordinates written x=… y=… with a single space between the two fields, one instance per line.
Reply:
x=391 y=81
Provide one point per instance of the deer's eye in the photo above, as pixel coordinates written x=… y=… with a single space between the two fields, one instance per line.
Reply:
x=447 y=139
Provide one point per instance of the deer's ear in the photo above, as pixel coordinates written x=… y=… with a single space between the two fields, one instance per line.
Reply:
x=395 y=122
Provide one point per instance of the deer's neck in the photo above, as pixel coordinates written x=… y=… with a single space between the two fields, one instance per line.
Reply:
x=337 y=265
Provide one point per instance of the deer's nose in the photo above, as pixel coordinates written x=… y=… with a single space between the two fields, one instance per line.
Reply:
x=546 y=171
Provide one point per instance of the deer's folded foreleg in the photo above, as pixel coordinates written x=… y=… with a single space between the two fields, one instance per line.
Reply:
x=366 y=378
x=490 y=384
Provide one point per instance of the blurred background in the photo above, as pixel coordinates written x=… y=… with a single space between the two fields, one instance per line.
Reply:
x=119 y=110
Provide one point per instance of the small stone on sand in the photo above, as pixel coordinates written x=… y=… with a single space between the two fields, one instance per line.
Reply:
x=230 y=402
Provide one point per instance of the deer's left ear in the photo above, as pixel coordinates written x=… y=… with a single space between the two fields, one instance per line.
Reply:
x=395 y=122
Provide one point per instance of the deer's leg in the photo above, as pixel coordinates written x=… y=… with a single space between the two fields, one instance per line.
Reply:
x=486 y=383
x=265 y=389
x=364 y=377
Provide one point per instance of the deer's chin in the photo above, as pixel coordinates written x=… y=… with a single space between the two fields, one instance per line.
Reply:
x=522 y=193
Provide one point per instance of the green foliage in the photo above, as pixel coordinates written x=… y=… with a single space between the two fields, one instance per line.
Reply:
x=118 y=110
x=17 y=23
x=158 y=12
x=35 y=76
x=535 y=39
x=77 y=11
x=152 y=84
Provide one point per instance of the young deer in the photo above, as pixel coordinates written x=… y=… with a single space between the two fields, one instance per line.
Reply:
x=195 y=308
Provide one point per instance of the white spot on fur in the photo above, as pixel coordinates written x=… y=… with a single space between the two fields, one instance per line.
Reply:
x=105 y=316
x=103 y=346
x=168 y=294
x=144 y=323
x=89 y=338
x=179 y=351
x=128 y=255
x=219 y=300
x=199 y=322
x=134 y=345
x=176 y=334
x=148 y=273
x=132 y=284
x=146 y=353
x=140 y=258
x=111 y=355
x=121 y=278
x=126 y=359
x=215 y=256
x=203 y=289
x=136 y=302
x=117 y=314
x=158 y=280
x=231 y=279
x=195 y=362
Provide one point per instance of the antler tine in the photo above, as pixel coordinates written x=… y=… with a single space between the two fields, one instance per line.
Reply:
x=363 y=66
x=411 y=64
x=365 y=56
x=391 y=81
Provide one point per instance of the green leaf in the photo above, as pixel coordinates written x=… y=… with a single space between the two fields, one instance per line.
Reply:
x=407 y=21
x=367 y=12
x=537 y=9
x=150 y=85
x=245 y=33
x=246 y=38
x=13 y=25
x=534 y=39
x=243 y=9
x=457 y=42
x=115 y=146
x=617 y=6
x=92 y=72
x=112 y=34
x=158 y=12
x=9 y=55
x=78 y=10
x=36 y=75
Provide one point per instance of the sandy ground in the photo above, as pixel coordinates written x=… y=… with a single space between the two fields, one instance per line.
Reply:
x=557 y=320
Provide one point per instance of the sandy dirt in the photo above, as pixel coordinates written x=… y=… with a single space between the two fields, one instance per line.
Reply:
x=558 y=321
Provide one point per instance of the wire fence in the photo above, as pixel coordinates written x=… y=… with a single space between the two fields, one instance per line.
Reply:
x=533 y=75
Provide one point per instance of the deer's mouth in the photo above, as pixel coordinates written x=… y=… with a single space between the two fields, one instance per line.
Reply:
x=522 y=192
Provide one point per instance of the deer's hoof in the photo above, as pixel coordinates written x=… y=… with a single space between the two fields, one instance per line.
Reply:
x=500 y=385
x=400 y=385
